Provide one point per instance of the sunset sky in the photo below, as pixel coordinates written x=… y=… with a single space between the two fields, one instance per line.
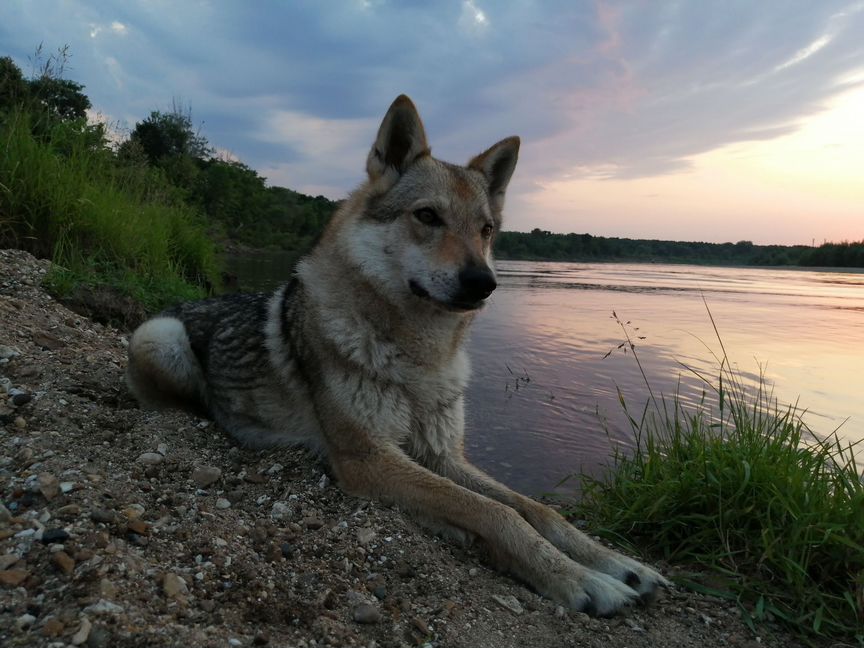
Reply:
x=716 y=121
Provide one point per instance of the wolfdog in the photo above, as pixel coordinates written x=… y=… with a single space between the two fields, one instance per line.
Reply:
x=361 y=356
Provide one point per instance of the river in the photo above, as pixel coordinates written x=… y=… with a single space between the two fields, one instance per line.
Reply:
x=543 y=401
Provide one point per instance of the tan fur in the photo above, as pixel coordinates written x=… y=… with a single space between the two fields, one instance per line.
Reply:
x=366 y=360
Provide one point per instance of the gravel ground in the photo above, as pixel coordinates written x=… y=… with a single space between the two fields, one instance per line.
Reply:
x=120 y=527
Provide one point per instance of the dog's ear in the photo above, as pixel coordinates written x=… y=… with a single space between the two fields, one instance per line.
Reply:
x=497 y=164
x=401 y=140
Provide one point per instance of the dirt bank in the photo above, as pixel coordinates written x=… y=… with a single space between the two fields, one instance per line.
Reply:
x=126 y=528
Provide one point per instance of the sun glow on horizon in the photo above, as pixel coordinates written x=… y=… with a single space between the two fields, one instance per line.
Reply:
x=771 y=191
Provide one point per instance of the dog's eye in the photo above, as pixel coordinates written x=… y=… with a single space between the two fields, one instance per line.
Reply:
x=486 y=232
x=427 y=216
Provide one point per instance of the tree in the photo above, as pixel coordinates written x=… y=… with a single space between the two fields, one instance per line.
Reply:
x=13 y=87
x=169 y=135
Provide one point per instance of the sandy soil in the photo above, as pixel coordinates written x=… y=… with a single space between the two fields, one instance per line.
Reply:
x=128 y=528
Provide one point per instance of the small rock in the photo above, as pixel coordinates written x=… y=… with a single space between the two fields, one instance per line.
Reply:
x=365 y=535
x=53 y=627
x=20 y=423
x=133 y=511
x=99 y=637
x=83 y=632
x=313 y=523
x=222 y=503
x=280 y=511
x=8 y=560
x=473 y=571
x=67 y=487
x=25 y=621
x=107 y=590
x=138 y=526
x=68 y=512
x=205 y=476
x=7 y=353
x=150 y=458
x=560 y=612
x=103 y=515
x=324 y=482
x=48 y=486
x=13 y=577
x=421 y=626
x=254 y=478
x=64 y=562
x=275 y=468
x=508 y=602
x=173 y=585
x=20 y=398
x=234 y=642
x=103 y=607
x=5 y=515
x=51 y=536
x=162 y=449
x=366 y=613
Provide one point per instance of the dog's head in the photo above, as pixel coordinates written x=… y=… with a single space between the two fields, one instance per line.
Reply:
x=423 y=229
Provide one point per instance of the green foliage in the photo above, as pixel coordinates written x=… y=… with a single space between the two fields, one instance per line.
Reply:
x=168 y=136
x=543 y=245
x=63 y=196
x=746 y=491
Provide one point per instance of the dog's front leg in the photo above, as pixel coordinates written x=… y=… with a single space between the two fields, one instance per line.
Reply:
x=367 y=467
x=552 y=526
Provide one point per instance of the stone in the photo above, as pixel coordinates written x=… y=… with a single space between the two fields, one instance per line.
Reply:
x=13 y=577
x=83 y=632
x=25 y=621
x=8 y=560
x=150 y=458
x=5 y=515
x=174 y=586
x=51 y=536
x=49 y=486
x=53 y=627
x=107 y=590
x=205 y=476
x=20 y=398
x=366 y=613
x=103 y=515
x=280 y=511
x=138 y=526
x=103 y=607
x=68 y=512
x=222 y=503
x=64 y=562
x=365 y=535
x=508 y=602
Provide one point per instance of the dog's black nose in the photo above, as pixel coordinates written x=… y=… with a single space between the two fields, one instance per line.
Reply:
x=476 y=282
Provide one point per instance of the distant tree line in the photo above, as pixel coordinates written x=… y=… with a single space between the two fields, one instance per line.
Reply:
x=542 y=245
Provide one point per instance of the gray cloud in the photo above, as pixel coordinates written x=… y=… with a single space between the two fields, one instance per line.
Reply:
x=627 y=90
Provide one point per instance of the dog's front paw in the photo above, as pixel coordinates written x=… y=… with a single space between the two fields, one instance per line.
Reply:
x=641 y=578
x=592 y=592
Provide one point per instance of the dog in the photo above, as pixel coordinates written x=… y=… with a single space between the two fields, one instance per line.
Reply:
x=361 y=357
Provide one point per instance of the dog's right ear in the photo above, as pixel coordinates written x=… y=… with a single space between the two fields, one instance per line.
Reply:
x=401 y=140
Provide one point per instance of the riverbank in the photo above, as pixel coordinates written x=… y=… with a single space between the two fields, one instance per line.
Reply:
x=128 y=528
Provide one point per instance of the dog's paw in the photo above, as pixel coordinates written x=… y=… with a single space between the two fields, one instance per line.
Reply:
x=643 y=579
x=592 y=592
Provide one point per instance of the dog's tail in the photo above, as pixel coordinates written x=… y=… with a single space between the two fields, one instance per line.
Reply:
x=163 y=371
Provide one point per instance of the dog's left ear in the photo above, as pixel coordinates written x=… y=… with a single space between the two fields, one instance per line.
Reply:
x=401 y=140
x=497 y=164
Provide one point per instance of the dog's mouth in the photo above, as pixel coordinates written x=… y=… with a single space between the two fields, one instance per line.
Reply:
x=455 y=305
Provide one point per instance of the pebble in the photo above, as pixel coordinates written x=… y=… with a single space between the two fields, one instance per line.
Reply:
x=173 y=585
x=67 y=487
x=49 y=486
x=50 y=536
x=205 y=476
x=53 y=627
x=324 y=482
x=365 y=535
x=150 y=458
x=508 y=602
x=222 y=503
x=69 y=511
x=19 y=397
x=366 y=613
x=280 y=511
x=83 y=632
x=25 y=621
x=102 y=515
x=64 y=561
x=20 y=422
x=5 y=515
x=7 y=353
x=103 y=607
x=13 y=577
x=275 y=468
x=8 y=560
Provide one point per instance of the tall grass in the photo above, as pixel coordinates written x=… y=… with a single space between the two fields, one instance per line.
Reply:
x=739 y=486
x=63 y=195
